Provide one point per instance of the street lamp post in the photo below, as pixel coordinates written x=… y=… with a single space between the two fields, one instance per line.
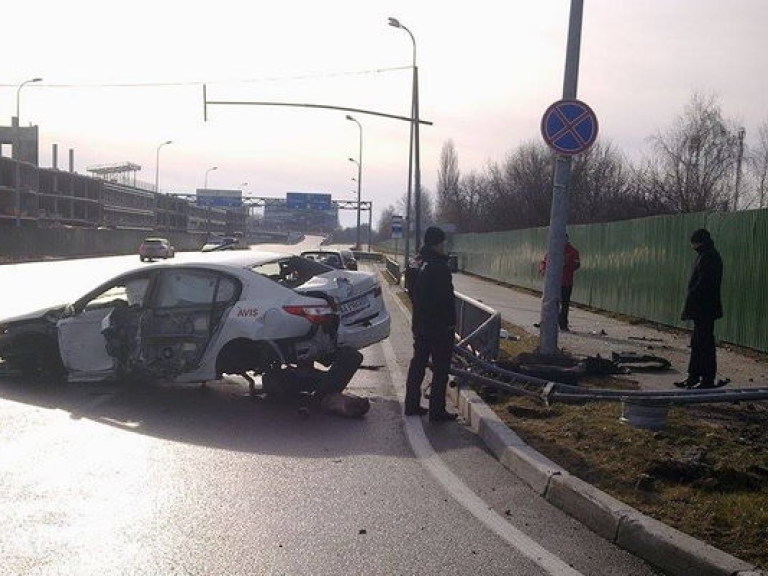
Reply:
x=157 y=164
x=413 y=153
x=359 y=170
x=18 y=98
x=17 y=150
x=359 y=178
x=208 y=205
x=205 y=185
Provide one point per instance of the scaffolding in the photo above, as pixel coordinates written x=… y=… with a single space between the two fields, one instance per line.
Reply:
x=121 y=172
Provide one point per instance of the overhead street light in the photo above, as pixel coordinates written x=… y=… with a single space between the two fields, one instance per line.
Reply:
x=157 y=164
x=205 y=186
x=18 y=99
x=414 y=164
x=17 y=152
x=359 y=178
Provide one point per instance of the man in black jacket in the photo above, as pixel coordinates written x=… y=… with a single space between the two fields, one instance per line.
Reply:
x=433 y=323
x=703 y=306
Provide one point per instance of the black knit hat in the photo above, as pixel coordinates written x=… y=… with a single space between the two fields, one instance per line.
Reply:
x=433 y=236
x=701 y=236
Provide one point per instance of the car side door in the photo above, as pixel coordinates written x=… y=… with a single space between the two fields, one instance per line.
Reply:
x=83 y=334
x=182 y=316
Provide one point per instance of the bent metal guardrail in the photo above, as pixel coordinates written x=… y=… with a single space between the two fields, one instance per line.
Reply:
x=393 y=267
x=477 y=331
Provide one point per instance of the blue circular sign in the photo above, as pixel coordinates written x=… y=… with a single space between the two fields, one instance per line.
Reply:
x=569 y=127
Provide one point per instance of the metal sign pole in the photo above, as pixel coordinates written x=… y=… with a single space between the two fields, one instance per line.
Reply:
x=550 y=304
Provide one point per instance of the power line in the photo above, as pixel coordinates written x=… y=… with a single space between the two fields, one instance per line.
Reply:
x=215 y=82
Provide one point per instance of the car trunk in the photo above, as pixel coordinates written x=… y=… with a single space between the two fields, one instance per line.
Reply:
x=357 y=294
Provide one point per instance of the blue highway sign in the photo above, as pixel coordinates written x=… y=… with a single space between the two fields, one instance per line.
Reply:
x=569 y=127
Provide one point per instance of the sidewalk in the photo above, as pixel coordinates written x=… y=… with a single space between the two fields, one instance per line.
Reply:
x=592 y=333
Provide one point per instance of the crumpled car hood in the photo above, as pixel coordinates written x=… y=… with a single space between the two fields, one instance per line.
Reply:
x=53 y=312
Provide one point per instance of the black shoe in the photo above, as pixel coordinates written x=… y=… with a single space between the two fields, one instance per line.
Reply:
x=418 y=411
x=443 y=417
x=688 y=383
x=706 y=384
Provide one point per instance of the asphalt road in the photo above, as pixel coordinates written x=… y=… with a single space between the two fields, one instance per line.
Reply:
x=184 y=479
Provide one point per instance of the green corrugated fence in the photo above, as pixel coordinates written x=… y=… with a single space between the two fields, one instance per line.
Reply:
x=641 y=267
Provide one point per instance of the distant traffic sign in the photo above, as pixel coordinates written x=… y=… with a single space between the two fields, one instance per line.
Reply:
x=397 y=227
x=307 y=201
x=219 y=198
x=569 y=127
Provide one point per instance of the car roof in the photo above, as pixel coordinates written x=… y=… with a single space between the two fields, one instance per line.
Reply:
x=155 y=239
x=236 y=258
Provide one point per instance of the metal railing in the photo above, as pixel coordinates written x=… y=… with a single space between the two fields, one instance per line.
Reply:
x=478 y=328
x=393 y=267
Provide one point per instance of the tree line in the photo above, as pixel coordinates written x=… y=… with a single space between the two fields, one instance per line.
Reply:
x=700 y=163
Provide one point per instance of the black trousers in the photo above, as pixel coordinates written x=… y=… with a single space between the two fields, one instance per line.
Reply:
x=291 y=383
x=565 y=304
x=439 y=348
x=703 y=362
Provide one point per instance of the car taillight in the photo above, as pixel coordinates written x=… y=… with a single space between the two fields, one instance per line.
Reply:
x=317 y=313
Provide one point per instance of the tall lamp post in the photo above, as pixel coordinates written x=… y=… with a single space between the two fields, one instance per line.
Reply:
x=359 y=178
x=413 y=153
x=17 y=149
x=208 y=205
x=18 y=97
x=205 y=185
x=157 y=164
x=359 y=169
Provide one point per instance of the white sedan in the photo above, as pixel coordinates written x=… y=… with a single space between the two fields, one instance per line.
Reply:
x=228 y=313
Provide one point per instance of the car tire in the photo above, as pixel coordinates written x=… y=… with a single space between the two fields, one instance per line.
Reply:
x=43 y=364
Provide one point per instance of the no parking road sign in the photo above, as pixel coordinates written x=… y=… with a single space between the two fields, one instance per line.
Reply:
x=569 y=127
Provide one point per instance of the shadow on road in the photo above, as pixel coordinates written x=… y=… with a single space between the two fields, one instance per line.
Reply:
x=221 y=415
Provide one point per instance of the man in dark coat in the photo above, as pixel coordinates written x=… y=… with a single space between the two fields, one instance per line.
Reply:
x=433 y=325
x=703 y=306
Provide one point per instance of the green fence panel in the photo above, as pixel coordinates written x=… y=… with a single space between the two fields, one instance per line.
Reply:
x=641 y=267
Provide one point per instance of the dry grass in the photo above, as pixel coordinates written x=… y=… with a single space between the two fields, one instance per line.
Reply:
x=706 y=474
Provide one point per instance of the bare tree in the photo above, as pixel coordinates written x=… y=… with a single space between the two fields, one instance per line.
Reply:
x=601 y=187
x=758 y=165
x=384 y=227
x=695 y=159
x=448 y=207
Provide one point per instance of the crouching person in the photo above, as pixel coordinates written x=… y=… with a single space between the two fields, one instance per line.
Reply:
x=305 y=385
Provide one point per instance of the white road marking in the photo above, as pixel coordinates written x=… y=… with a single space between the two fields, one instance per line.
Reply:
x=457 y=488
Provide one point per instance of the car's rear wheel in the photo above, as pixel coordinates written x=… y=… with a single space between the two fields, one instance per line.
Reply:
x=243 y=355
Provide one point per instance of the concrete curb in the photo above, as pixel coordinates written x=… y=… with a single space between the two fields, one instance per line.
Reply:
x=663 y=546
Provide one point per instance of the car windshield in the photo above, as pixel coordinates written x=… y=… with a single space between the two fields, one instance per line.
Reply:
x=332 y=259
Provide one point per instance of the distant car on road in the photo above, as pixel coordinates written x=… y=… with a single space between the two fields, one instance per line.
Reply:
x=220 y=243
x=155 y=248
x=236 y=313
x=340 y=259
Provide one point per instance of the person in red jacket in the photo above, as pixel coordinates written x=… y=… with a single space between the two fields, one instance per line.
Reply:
x=570 y=265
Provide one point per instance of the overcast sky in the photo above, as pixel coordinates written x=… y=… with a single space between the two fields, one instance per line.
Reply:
x=121 y=78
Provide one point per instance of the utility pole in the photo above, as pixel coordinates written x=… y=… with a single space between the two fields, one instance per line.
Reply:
x=739 y=158
x=548 y=327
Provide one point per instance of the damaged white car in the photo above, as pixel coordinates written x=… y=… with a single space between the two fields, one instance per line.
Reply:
x=237 y=313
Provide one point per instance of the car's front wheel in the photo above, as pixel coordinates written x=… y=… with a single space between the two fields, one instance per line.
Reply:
x=41 y=361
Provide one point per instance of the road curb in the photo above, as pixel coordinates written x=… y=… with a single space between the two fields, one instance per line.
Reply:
x=675 y=552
